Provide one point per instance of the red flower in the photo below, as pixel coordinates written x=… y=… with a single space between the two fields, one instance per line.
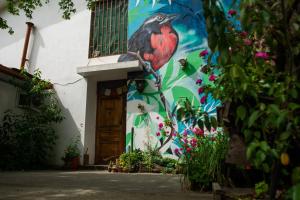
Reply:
x=199 y=81
x=232 y=12
x=261 y=54
x=158 y=134
x=201 y=90
x=203 y=53
x=188 y=150
x=203 y=100
x=212 y=77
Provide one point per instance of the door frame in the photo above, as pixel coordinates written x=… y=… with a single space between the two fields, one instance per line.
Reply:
x=101 y=85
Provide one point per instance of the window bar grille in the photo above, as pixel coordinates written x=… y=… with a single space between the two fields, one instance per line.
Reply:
x=108 y=28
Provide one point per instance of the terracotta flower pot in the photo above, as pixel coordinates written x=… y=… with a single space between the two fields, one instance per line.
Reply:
x=75 y=163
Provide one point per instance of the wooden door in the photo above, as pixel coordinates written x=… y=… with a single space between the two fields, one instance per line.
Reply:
x=110 y=131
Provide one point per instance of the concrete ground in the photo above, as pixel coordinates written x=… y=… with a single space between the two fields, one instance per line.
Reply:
x=90 y=185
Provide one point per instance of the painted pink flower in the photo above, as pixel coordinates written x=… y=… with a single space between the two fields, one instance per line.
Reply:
x=201 y=90
x=203 y=53
x=247 y=42
x=160 y=126
x=199 y=81
x=232 y=12
x=261 y=54
x=176 y=151
x=243 y=34
x=158 y=134
x=212 y=77
x=203 y=100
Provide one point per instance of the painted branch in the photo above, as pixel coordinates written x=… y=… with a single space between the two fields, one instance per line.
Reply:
x=162 y=96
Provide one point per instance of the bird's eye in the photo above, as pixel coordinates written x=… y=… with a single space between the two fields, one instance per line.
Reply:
x=160 y=18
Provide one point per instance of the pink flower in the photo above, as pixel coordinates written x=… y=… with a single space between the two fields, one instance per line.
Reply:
x=185 y=141
x=232 y=12
x=212 y=77
x=243 y=34
x=174 y=134
x=188 y=150
x=185 y=133
x=201 y=90
x=203 y=100
x=160 y=126
x=181 y=149
x=157 y=117
x=198 y=132
x=194 y=142
x=203 y=53
x=158 y=134
x=176 y=151
x=199 y=81
x=261 y=54
x=213 y=129
x=247 y=42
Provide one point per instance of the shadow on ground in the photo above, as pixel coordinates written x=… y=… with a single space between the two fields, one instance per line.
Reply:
x=90 y=185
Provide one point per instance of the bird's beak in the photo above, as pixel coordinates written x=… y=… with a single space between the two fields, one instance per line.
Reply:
x=169 y=18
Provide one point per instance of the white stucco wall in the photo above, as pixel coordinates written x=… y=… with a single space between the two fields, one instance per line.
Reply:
x=57 y=48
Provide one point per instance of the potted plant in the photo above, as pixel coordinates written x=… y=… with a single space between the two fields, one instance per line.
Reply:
x=72 y=155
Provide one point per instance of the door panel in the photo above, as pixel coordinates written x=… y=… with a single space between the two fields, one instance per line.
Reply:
x=110 y=127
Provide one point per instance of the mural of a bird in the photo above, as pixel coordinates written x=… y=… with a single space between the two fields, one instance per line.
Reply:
x=156 y=41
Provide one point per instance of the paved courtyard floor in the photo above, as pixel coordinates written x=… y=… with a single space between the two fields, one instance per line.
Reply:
x=90 y=185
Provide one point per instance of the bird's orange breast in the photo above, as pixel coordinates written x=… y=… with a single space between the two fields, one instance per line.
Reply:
x=164 y=45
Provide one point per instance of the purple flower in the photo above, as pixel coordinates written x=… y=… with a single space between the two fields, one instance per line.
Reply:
x=261 y=54
x=203 y=100
x=203 y=53
x=232 y=12
x=201 y=90
x=212 y=77
x=199 y=81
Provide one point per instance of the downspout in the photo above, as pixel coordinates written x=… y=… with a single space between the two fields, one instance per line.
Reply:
x=26 y=42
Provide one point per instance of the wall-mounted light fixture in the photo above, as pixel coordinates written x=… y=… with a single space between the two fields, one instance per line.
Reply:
x=140 y=85
x=183 y=63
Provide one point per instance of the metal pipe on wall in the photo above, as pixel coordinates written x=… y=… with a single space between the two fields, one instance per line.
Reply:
x=30 y=25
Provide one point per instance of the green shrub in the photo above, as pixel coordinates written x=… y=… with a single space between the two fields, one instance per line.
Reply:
x=131 y=160
x=27 y=138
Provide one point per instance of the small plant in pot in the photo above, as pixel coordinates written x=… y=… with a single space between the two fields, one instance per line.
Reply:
x=72 y=155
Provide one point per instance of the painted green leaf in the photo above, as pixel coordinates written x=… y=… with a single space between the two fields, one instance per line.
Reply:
x=194 y=64
x=168 y=74
x=140 y=120
x=179 y=91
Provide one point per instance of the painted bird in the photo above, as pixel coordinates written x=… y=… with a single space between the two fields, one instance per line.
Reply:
x=156 y=41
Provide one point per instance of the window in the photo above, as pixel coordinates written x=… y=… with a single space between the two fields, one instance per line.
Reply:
x=109 y=28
